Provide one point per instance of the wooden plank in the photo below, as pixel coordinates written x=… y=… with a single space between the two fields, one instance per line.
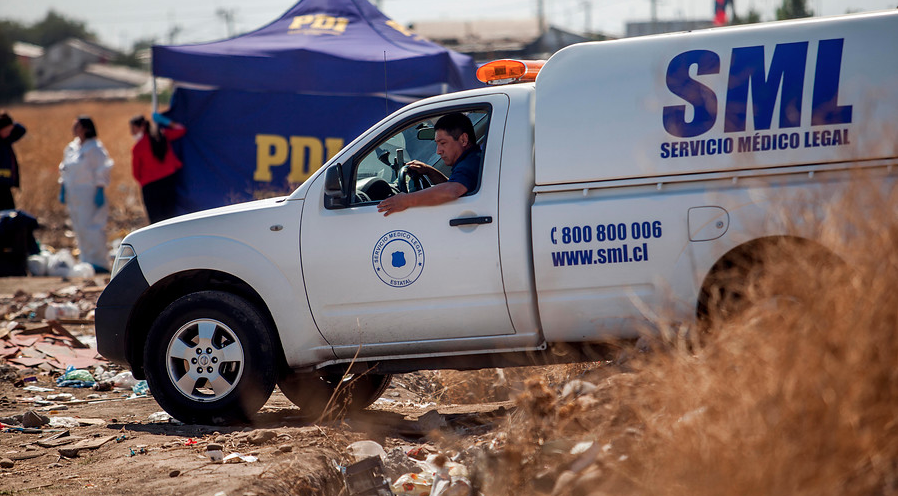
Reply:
x=55 y=443
x=56 y=326
x=25 y=455
x=87 y=444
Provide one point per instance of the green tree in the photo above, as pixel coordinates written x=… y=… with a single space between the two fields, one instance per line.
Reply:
x=15 y=31
x=752 y=17
x=793 y=9
x=133 y=59
x=13 y=81
x=51 y=29
x=55 y=28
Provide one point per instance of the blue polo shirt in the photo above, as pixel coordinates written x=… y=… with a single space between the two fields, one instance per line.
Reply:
x=467 y=170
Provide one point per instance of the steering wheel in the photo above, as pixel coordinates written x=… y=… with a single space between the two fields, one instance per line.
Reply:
x=411 y=181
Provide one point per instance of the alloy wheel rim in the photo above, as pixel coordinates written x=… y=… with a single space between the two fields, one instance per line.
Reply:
x=205 y=360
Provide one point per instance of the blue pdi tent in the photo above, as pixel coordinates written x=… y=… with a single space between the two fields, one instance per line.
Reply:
x=264 y=110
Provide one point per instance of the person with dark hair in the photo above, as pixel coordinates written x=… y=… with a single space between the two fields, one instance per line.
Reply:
x=154 y=164
x=10 y=132
x=457 y=146
x=84 y=175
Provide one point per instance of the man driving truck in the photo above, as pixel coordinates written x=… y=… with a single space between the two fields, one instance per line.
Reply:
x=458 y=148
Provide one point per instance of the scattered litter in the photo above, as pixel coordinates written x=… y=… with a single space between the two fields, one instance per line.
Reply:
x=366 y=478
x=412 y=484
x=581 y=447
x=77 y=378
x=239 y=458
x=38 y=389
x=87 y=444
x=365 y=449
x=60 y=264
x=159 y=417
x=33 y=419
x=141 y=388
x=190 y=442
x=577 y=387
x=213 y=451
x=60 y=397
x=124 y=380
x=62 y=311
x=33 y=327
x=140 y=449
x=63 y=422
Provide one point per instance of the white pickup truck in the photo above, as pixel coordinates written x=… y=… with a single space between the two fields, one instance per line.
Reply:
x=620 y=180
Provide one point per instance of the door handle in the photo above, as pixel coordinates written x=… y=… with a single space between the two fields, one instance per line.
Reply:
x=465 y=221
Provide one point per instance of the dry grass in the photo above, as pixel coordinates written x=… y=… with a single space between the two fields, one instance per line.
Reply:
x=796 y=393
x=40 y=151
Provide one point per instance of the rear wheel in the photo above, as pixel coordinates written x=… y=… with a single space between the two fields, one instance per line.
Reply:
x=320 y=394
x=780 y=274
x=209 y=359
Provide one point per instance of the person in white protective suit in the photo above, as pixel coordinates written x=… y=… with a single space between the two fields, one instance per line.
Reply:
x=84 y=175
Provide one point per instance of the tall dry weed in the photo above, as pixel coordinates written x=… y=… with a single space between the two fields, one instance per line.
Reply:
x=794 y=391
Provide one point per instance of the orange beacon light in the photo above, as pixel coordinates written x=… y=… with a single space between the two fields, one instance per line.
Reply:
x=509 y=71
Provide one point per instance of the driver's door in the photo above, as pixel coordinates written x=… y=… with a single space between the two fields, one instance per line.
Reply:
x=413 y=282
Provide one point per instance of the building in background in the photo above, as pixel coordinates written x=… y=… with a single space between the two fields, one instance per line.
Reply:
x=486 y=40
x=645 y=28
x=77 y=69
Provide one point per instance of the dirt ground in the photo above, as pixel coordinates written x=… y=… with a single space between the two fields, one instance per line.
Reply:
x=131 y=451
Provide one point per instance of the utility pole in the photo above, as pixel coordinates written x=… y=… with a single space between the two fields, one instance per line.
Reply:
x=541 y=16
x=227 y=15
x=654 y=16
x=173 y=33
x=587 y=17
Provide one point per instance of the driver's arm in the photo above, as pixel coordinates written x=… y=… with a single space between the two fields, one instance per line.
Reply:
x=435 y=176
x=436 y=195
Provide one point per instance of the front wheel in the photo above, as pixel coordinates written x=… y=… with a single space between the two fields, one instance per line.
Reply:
x=209 y=359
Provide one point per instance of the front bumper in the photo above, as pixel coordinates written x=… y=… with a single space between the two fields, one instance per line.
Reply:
x=114 y=310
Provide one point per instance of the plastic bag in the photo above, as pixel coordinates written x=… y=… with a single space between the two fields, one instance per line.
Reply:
x=412 y=485
x=56 y=311
x=141 y=388
x=363 y=449
x=73 y=374
x=124 y=380
x=37 y=264
x=63 y=422
x=60 y=264
x=83 y=270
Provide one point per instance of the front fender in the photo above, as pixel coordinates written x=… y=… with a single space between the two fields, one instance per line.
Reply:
x=276 y=277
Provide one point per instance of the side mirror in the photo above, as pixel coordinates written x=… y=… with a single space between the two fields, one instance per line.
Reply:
x=334 y=197
x=426 y=134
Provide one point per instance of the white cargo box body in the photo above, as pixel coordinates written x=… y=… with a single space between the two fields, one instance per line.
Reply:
x=768 y=95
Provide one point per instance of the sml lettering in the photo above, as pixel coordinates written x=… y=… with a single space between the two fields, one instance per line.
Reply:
x=783 y=83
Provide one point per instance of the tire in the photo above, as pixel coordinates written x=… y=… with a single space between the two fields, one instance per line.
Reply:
x=209 y=359
x=779 y=273
x=320 y=395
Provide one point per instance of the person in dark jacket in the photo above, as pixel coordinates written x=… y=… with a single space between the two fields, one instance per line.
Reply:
x=10 y=132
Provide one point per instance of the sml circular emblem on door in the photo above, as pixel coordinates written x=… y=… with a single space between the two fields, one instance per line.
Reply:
x=398 y=258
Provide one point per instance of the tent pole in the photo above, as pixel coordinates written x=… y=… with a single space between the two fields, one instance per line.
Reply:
x=155 y=98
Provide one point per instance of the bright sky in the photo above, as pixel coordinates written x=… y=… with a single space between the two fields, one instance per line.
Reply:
x=121 y=22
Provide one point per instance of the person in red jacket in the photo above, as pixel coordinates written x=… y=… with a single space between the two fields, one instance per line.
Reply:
x=154 y=164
